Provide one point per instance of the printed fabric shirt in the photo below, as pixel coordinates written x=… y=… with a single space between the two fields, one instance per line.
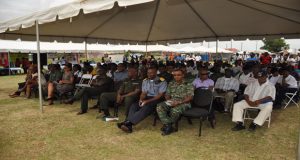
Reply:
x=227 y=84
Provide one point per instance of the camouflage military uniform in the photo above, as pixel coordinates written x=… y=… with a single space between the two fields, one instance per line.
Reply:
x=177 y=92
x=129 y=85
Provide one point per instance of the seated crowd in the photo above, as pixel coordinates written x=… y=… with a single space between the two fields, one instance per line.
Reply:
x=166 y=90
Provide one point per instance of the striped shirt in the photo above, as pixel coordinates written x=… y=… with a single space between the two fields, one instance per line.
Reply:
x=227 y=84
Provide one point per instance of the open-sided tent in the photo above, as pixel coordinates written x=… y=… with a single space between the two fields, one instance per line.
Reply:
x=158 y=21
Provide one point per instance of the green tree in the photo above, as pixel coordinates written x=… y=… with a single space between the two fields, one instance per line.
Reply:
x=275 y=45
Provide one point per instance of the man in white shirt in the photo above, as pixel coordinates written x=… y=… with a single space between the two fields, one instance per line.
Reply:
x=258 y=94
x=285 y=84
x=274 y=76
x=226 y=87
x=198 y=58
x=247 y=76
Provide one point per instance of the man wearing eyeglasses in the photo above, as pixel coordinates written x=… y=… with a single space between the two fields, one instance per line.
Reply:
x=203 y=81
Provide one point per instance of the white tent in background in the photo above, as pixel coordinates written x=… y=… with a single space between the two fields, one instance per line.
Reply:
x=202 y=49
x=199 y=49
x=25 y=47
x=260 y=51
x=160 y=48
x=188 y=49
x=220 y=50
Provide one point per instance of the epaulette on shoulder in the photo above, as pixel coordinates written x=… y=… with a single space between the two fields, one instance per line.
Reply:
x=161 y=79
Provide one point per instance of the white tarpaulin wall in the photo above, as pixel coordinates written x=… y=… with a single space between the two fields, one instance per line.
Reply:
x=160 y=21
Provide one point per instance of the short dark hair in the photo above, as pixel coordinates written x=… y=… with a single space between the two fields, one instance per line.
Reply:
x=152 y=68
x=178 y=70
x=77 y=66
x=69 y=65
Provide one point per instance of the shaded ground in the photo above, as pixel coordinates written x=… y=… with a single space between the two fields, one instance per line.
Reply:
x=59 y=133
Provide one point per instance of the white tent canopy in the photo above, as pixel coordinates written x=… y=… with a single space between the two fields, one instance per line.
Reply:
x=159 y=21
x=26 y=47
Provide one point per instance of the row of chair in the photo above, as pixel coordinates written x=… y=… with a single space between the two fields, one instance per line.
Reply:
x=202 y=103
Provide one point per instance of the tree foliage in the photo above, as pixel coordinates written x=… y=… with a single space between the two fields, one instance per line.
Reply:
x=275 y=45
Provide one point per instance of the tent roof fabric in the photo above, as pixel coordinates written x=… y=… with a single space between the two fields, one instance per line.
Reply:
x=159 y=21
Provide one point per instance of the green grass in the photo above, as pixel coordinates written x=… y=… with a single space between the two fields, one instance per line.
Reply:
x=59 y=133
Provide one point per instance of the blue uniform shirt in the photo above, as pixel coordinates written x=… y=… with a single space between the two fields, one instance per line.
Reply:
x=154 y=87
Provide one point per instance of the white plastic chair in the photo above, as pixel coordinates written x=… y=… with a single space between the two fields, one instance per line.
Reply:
x=85 y=80
x=290 y=97
x=247 y=115
x=223 y=97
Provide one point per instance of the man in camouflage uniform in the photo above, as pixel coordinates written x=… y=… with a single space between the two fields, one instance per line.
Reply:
x=127 y=94
x=188 y=77
x=179 y=94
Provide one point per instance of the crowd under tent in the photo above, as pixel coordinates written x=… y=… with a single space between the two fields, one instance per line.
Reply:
x=157 y=21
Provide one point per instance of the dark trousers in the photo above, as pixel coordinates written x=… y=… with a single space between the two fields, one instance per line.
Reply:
x=109 y=98
x=137 y=114
x=280 y=94
x=86 y=93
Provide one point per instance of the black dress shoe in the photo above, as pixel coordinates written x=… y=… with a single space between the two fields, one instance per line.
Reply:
x=252 y=127
x=68 y=101
x=163 y=128
x=120 y=124
x=168 y=130
x=81 y=112
x=238 y=127
x=95 y=107
x=126 y=128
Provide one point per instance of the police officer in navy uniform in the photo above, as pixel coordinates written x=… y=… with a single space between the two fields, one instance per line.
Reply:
x=153 y=90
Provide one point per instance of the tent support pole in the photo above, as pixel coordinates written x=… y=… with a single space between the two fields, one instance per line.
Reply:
x=8 y=58
x=85 y=50
x=217 y=49
x=39 y=64
x=146 y=50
